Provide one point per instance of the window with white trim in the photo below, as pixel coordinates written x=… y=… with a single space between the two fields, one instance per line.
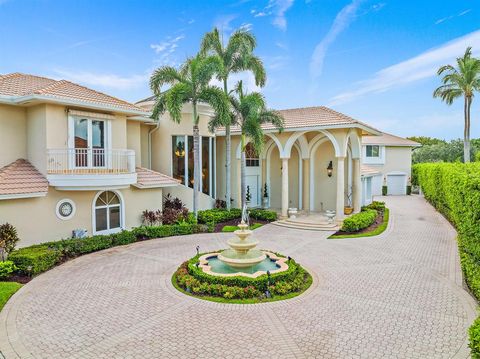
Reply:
x=373 y=151
x=251 y=156
x=108 y=212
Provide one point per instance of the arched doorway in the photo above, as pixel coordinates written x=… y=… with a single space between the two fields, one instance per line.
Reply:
x=252 y=175
x=107 y=212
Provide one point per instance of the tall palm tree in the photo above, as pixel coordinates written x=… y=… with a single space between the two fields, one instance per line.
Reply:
x=457 y=82
x=236 y=56
x=189 y=84
x=249 y=113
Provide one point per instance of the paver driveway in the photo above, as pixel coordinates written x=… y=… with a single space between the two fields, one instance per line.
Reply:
x=396 y=295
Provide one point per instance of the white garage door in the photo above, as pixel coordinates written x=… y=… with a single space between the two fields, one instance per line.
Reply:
x=396 y=184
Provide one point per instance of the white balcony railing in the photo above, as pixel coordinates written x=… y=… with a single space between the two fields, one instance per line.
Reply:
x=90 y=161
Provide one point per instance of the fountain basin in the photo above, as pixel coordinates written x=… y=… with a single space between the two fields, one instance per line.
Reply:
x=211 y=263
x=242 y=245
x=241 y=259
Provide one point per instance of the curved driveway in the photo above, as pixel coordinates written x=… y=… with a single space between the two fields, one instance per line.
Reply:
x=398 y=295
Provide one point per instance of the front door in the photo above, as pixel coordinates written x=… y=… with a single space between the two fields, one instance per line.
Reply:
x=252 y=175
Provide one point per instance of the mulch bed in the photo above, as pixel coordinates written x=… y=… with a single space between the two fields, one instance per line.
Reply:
x=378 y=221
x=235 y=222
x=18 y=278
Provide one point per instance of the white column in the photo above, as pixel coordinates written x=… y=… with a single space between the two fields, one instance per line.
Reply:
x=284 y=187
x=357 y=185
x=306 y=184
x=340 y=187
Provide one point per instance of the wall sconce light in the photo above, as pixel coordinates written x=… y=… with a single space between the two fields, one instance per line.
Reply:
x=330 y=169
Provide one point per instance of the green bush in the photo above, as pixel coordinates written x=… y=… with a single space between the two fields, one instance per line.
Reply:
x=8 y=237
x=384 y=190
x=263 y=215
x=359 y=221
x=376 y=205
x=123 y=237
x=234 y=228
x=218 y=215
x=6 y=269
x=454 y=190
x=36 y=259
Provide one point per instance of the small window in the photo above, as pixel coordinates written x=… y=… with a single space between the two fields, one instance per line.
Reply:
x=373 y=151
x=108 y=209
x=251 y=156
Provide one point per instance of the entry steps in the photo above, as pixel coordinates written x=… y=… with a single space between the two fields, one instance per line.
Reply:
x=311 y=223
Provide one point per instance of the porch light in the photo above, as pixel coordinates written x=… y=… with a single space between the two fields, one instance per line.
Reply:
x=330 y=169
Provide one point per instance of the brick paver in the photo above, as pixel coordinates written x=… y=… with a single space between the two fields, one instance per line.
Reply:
x=398 y=295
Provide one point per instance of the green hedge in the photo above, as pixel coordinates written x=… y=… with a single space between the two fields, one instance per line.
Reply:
x=454 y=190
x=219 y=215
x=39 y=258
x=359 y=220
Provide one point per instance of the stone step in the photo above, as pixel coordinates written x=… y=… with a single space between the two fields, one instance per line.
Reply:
x=307 y=226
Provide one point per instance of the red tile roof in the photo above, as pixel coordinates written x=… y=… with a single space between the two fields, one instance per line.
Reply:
x=17 y=84
x=21 y=178
x=150 y=179
x=388 y=140
x=311 y=117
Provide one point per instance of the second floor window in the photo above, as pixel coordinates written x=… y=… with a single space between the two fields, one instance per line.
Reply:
x=89 y=142
x=373 y=151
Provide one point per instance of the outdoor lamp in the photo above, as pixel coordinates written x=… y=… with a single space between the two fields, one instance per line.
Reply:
x=330 y=169
x=198 y=250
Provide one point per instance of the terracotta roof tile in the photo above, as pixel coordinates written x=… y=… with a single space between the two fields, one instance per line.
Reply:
x=388 y=139
x=311 y=117
x=21 y=178
x=368 y=171
x=17 y=84
x=150 y=179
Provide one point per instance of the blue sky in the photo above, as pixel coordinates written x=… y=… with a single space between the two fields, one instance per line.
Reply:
x=372 y=59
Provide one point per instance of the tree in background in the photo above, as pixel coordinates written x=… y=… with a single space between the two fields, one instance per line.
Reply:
x=443 y=151
x=457 y=82
x=189 y=84
x=426 y=141
x=236 y=56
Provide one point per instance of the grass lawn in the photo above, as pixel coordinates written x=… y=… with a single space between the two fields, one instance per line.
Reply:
x=380 y=229
x=234 y=228
x=7 y=289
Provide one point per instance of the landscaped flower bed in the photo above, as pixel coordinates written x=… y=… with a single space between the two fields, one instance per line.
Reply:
x=216 y=219
x=372 y=220
x=191 y=279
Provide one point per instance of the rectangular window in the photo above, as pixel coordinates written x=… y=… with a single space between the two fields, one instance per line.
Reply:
x=205 y=165
x=178 y=158
x=190 y=161
x=373 y=151
x=89 y=142
x=101 y=219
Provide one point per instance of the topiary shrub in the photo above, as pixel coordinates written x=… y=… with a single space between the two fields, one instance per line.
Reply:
x=6 y=269
x=8 y=237
x=359 y=221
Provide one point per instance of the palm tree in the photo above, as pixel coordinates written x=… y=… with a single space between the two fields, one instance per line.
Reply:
x=457 y=82
x=189 y=84
x=236 y=56
x=249 y=113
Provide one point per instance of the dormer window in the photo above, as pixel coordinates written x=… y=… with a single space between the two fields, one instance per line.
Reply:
x=373 y=151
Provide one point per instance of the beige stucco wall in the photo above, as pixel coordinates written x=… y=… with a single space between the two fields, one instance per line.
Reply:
x=397 y=159
x=134 y=140
x=13 y=134
x=36 y=220
x=144 y=129
x=325 y=187
x=57 y=126
x=37 y=137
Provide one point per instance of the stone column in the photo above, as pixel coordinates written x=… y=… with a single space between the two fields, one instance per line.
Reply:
x=284 y=187
x=357 y=185
x=306 y=185
x=340 y=187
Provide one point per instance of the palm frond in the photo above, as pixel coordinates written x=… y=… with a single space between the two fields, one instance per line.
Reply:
x=216 y=98
x=165 y=75
x=211 y=43
x=159 y=107
x=175 y=98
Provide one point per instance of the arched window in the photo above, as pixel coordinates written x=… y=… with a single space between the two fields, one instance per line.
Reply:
x=108 y=212
x=251 y=156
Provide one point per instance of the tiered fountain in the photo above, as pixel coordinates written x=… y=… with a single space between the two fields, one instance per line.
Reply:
x=242 y=258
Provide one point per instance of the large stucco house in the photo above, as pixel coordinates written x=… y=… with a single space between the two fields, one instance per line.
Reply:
x=72 y=158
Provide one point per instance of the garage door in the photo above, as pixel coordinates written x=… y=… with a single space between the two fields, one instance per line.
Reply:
x=396 y=184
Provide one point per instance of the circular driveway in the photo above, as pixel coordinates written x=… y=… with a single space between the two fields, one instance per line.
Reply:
x=398 y=295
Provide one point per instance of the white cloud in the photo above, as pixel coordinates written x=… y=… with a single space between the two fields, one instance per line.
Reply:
x=275 y=62
x=281 y=45
x=464 y=12
x=223 y=22
x=246 y=26
x=166 y=49
x=107 y=81
x=417 y=68
x=277 y=9
x=341 y=22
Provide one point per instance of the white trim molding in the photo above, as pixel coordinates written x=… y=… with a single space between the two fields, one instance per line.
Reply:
x=22 y=195
x=91 y=181
x=122 y=213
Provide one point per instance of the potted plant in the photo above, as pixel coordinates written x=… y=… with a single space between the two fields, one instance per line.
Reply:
x=265 y=196
x=248 y=196
x=348 y=209
x=409 y=186
x=384 y=187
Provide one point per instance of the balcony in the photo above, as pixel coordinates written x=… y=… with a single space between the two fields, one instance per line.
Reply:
x=90 y=168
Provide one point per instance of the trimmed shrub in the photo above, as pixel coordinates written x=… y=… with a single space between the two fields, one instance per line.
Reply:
x=36 y=259
x=8 y=237
x=218 y=215
x=124 y=237
x=376 y=205
x=359 y=221
x=454 y=190
x=6 y=269
x=263 y=215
